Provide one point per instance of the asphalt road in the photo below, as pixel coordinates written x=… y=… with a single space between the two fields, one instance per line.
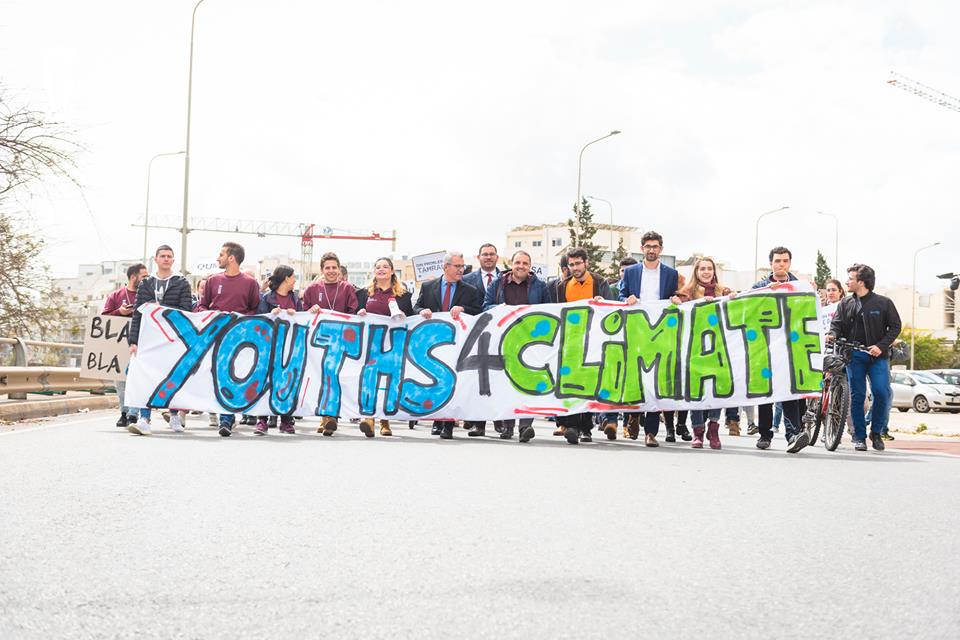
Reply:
x=105 y=534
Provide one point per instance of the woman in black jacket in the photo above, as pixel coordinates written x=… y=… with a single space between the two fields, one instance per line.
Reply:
x=385 y=287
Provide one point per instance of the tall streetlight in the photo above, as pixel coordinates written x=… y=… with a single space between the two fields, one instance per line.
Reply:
x=913 y=301
x=836 y=242
x=184 y=230
x=756 y=235
x=576 y=206
x=609 y=204
x=146 y=208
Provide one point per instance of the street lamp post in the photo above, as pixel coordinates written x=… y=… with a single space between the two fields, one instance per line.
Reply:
x=756 y=235
x=184 y=230
x=913 y=302
x=609 y=204
x=146 y=208
x=836 y=242
x=576 y=206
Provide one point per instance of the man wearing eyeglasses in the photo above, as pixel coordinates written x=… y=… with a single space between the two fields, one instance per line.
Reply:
x=447 y=294
x=644 y=282
x=487 y=274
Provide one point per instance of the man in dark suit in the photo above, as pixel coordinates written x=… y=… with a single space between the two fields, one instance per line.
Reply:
x=649 y=280
x=448 y=293
x=483 y=277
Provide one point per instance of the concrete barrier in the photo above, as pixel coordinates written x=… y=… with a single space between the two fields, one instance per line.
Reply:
x=33 y=409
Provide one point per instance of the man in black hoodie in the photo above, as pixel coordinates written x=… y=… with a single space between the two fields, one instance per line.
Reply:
x=871 y=320
x=167 y=289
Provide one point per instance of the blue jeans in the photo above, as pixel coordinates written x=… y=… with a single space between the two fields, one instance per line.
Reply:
x=698 y=418
x=862 y=366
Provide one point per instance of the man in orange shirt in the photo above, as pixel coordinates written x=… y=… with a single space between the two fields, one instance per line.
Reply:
x=581 y=284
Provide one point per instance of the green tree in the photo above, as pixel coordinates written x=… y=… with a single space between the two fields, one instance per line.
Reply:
x=929 y=352
x=619 y=254
x=582 y=229
x=823 y=272
x=31 y=149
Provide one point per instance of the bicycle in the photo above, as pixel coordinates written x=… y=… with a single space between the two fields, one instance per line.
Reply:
x=834 y=402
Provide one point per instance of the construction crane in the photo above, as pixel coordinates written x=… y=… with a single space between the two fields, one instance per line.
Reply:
x=307 y=232
x=925 y=92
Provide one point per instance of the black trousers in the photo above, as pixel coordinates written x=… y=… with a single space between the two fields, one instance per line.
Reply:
x=580 y=421
x=792 y=411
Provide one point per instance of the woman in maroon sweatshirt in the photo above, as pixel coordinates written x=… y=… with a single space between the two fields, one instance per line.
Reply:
x=375 y=298
x=704 y=286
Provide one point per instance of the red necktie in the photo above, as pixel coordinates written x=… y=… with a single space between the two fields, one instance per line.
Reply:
x=445 y=305
x=489 y=279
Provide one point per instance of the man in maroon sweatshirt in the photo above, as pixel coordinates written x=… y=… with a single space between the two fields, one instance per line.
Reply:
x=122 y=303
x=231 y=292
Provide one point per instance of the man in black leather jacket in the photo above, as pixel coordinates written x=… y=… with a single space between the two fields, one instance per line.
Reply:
x=871 y=320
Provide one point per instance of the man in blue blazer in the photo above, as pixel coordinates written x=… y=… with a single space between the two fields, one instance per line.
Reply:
x=487 y=274
x=649 y=280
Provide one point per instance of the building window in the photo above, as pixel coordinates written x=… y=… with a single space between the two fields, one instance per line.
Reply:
x=923 y=301
x=517 y=244
x=555 y=242
x=538 y=243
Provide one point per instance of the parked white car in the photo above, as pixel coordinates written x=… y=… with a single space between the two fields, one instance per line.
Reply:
x=923 y=391
x=950 y=375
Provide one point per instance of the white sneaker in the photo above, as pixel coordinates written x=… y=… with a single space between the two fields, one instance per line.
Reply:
x=176 y=422
x=214 y=420
x=141 y=428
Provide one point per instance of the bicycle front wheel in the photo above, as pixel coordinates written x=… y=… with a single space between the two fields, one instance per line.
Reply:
x=837 y=407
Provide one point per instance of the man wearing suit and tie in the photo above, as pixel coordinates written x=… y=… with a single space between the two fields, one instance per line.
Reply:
x=649 y=280
x=482 y=278
x=448 y=293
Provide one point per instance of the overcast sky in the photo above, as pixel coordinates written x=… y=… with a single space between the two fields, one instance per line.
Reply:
x=453 y=122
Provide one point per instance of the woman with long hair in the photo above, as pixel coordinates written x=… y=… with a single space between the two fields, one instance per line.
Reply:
x=703 y=286
x=280 y=296
x=384 y=288
x=833 y=291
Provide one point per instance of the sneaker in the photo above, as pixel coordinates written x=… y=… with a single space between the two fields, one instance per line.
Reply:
x=859 y=445
x=586 y=437
x=141 y=427
x=670 y=438
x=684 y=433
x=214 y=421
x=123 y=421
x=261 y=428
x=287 y=427
x=877 y=441
x=886 y=436
x=798 y=442
x=526 y=434
x=752 y=429
x=763 y=443
x=572 y=435
x=166 y=415
x=176 y=423
x=226 y=429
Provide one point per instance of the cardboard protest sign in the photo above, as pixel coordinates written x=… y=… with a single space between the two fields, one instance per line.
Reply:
x=542 y=360
x=428 y=266
x=105 y=349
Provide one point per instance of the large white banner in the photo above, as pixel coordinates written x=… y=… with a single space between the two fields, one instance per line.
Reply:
x=526 y=361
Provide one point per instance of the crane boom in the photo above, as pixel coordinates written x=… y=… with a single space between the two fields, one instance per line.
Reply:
x=925 y=92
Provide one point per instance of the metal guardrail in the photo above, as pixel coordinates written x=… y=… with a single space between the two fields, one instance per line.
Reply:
x=21 y=379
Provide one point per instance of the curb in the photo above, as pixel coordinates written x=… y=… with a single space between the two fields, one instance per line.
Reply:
x=17 y=411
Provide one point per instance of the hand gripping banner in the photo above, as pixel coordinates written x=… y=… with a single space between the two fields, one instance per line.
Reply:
x=543 y=360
